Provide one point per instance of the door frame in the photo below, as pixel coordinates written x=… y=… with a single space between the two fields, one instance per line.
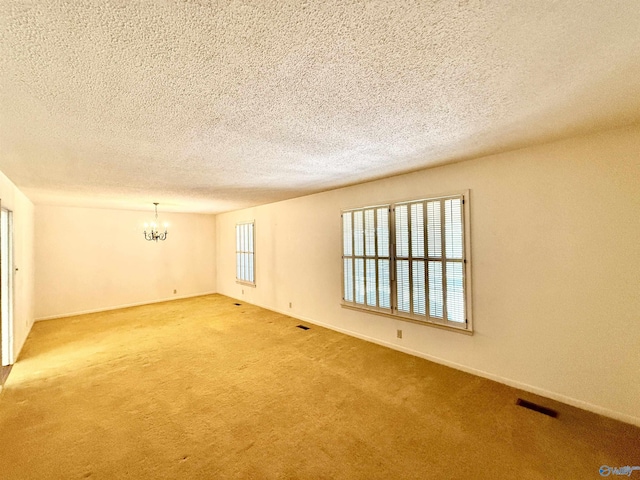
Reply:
x=7 y=271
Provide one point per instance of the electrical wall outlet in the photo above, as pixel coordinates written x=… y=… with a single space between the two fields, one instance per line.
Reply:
x=399 y=333
x=175 y=291
x=290 y=305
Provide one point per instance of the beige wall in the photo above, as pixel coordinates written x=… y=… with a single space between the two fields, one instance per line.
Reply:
x=556 y=268
x=95 y=259
x=23 y=255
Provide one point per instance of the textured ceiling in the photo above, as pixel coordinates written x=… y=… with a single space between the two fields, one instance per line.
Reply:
x=212 y=106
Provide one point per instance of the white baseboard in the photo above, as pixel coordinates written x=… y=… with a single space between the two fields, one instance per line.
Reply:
x=117 y=307
x=574 y=402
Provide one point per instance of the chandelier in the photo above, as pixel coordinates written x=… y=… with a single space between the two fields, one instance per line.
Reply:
x=154 y=234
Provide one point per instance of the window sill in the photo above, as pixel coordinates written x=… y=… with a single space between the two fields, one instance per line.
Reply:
x=451 y=328
x=248 y=284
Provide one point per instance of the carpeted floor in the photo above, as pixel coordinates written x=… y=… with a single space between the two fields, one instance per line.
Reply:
x=202 y=388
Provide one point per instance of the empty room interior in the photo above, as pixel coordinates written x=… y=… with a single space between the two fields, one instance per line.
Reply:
x=337 y=239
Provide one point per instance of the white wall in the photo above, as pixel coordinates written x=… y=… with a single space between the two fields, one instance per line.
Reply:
x=23 y=254
x=95 y=259
x=555 y=237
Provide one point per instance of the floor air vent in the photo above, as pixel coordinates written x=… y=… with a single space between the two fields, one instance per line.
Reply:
x=303 y=327
x=237 y=304
x=537 y=408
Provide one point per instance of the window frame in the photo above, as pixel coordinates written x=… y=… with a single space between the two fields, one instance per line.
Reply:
x=251 y=252
x=462 y=327
x=365 y=257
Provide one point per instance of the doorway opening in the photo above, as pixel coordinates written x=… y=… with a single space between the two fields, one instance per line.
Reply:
x=6 y=293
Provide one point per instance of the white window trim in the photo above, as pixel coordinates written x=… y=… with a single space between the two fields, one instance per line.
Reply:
x=253 y=252
x=467 y=327
x=365 y=257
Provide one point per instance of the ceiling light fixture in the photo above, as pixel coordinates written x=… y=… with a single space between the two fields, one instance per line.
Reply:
x=154 y=234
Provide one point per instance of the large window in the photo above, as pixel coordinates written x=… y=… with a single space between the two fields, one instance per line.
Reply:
x=245 y=253
x=409 y=259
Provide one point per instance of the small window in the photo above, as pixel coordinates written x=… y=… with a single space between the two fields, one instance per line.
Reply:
x=245 y=253
x=409 y=260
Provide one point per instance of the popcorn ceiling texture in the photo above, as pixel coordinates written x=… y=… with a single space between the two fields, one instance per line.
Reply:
x=213 y=106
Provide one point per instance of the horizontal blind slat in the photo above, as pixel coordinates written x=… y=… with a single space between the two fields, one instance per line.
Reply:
x=455 y=292
x=402 y=231
x=402 y=285
x=418 y=287
x=417 y=230
x=358 y=233
x=436 y=300
x=434 y=245
x=453 y=228
x=371 y=282
x=369 y=233
x=348 y=279
x=359 y=280
x=347 y=234
x=384 y=284
x=383 y=232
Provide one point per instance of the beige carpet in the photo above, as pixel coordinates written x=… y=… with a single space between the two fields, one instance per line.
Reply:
x=201 y=388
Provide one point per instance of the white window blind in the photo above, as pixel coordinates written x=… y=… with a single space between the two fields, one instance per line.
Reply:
x=365 y=257
x=245 y=254
x=414 y=249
